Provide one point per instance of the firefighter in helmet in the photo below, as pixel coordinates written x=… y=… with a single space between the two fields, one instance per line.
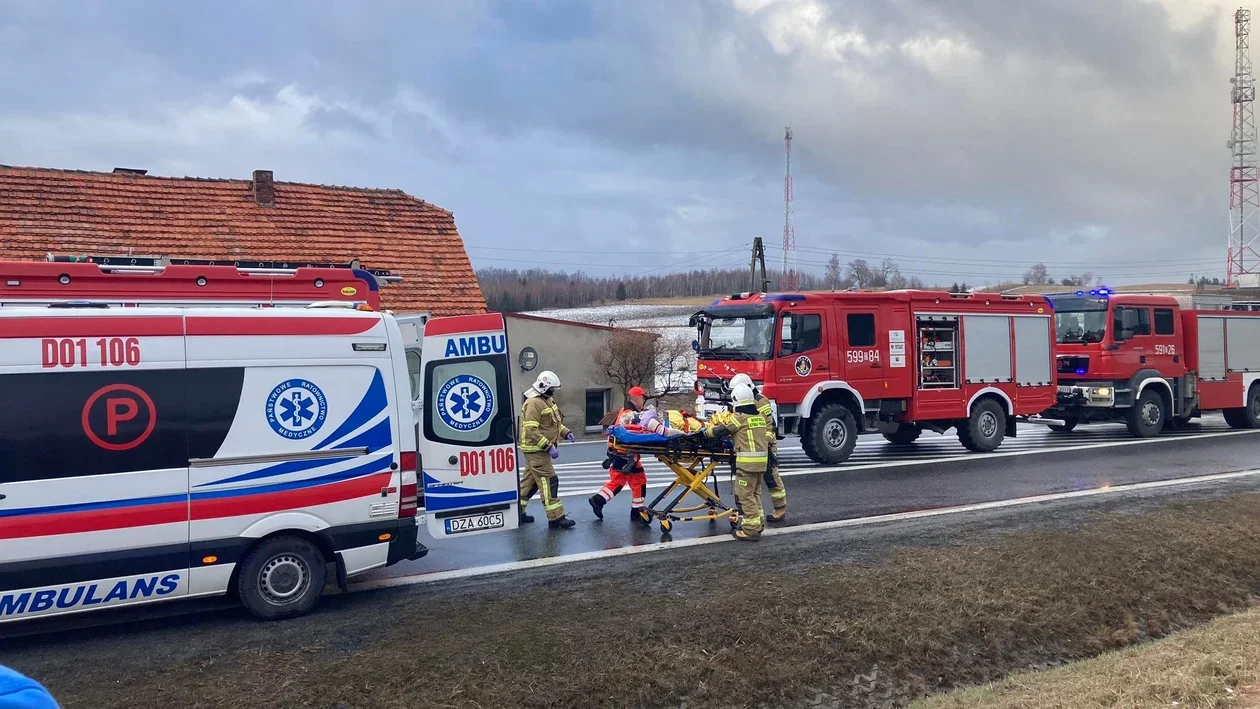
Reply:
x=624 y=467
x=750 y=435
x=542 y=427
x=774 y=482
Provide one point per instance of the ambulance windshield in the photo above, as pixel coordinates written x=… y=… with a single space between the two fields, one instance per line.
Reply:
x=1080 y=319
x=739 y=334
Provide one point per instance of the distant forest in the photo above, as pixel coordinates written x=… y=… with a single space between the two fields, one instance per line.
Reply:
x=510 y=290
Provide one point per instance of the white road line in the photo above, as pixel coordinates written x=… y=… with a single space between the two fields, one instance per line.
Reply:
x=492 y=569
x=898 y=463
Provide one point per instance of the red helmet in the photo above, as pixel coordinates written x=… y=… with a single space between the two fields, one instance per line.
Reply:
x=636 y=391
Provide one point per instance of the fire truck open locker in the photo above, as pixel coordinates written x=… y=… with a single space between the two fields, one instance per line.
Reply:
x=839 y=364
x=1150 y=362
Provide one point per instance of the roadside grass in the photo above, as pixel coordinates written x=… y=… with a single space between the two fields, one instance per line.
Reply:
x=1209 y=667
x=775 y=624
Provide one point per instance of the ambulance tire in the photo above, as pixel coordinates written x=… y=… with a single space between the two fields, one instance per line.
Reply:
x=985 y=428
x=281 y=578
x=832 y=435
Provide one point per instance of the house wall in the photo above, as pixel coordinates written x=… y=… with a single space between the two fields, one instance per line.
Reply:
x=565 y=349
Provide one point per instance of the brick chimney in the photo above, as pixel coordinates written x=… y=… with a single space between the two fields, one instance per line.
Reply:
x=264 y=189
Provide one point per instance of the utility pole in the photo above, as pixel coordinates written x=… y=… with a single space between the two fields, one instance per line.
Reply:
x=758 y=256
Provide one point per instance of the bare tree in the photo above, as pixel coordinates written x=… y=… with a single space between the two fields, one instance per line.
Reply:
x=833 y=272
x=658 y=362
x=860 y=273
x=1038 y=275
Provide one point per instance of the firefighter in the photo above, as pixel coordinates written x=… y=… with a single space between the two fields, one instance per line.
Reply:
x=750 y=435
x=774 y=482
x=624 y=467
x=542 y=426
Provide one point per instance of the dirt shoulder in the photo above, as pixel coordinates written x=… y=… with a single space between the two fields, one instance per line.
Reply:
x=1216 y=665
x=857 y=617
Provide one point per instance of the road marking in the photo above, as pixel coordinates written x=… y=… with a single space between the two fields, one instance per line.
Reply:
x=436 y=577
x=789 y=472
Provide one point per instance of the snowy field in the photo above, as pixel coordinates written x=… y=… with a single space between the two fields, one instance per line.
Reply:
x=633 y=316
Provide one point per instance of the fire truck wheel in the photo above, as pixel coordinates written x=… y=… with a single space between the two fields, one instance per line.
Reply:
x=1146 y=418
x=984 y=430
x=1249 y=415
x=832 y=435
x=1066 y=427
x=904 y=435
x=283 y=577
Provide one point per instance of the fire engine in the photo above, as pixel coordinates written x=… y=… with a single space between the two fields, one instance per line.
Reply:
x=180 y=430
x=835 y=365
x=1153 y=361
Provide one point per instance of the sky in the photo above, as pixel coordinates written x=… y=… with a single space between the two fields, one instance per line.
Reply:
x=968 y=139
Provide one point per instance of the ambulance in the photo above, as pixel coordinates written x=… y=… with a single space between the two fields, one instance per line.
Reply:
x=230 y=443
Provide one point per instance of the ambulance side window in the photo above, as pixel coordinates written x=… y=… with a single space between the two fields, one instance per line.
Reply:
x=468 y=402
x=413 y=373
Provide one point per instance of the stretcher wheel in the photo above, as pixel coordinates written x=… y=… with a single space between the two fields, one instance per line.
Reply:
x=666 y=525
x=734 y=523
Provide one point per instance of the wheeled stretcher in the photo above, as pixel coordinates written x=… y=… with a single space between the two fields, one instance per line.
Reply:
x=695 y=459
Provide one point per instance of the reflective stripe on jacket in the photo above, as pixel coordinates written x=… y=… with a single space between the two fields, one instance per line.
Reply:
x=542 y=424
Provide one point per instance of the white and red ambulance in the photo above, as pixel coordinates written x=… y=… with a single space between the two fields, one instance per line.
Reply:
x=153 y=453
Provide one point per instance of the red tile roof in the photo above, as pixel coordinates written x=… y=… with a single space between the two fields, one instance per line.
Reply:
x=74 y=212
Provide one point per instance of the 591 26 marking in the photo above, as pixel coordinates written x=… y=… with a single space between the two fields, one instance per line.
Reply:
x=106 y=352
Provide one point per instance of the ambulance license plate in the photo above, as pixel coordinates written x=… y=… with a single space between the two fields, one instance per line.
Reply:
x=455 y=525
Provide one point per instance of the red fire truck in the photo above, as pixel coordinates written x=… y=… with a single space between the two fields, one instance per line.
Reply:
x=839 y=364
x=1148 y=361
x=118 y=280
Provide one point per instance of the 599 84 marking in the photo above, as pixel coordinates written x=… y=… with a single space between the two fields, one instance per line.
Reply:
x=105 y=352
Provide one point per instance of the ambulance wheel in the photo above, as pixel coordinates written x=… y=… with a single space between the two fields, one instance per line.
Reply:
x=1249 y=415
x=1065 y=427
x=281 y=578
x=1146 y=417
x=904 y=435
x=832 y=435
x=984 y=430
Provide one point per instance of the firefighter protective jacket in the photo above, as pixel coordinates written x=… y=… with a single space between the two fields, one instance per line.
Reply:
x=542 y=424
x=750 y=435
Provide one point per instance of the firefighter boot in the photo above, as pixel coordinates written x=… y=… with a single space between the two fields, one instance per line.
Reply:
x=597 y=504
x=561 y=523
x=526 y=518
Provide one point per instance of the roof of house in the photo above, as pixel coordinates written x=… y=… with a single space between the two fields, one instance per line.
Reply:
x=96 y=213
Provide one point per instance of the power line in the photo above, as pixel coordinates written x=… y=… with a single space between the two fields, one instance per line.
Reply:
x=990 y=262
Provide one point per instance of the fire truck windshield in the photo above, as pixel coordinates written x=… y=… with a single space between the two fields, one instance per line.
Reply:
x=1080 y=319
x=737 y=336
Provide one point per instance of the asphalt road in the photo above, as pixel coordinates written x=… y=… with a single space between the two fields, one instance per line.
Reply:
x=880 y=478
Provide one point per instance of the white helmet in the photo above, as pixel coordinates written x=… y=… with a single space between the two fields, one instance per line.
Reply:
x=741 y=378
x=546 y=381
x=742 y=394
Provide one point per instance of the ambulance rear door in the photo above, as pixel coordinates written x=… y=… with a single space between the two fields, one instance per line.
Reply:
x=467 y=427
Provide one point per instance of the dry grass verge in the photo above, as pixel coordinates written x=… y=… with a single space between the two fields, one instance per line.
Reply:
x=1210 y=667
x=776 y=624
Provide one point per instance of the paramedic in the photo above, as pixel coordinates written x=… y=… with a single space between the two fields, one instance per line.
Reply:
x=751 y=437
x=778 y=493
x=542 y=427
x=624 y=467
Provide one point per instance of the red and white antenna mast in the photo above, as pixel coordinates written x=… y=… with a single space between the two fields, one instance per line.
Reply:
x=788 y=279
x=1244 y=192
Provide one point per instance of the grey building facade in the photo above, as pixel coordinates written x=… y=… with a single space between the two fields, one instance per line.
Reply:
x=536 y=344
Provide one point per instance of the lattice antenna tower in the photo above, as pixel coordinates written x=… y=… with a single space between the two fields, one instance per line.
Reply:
x=1244 y=191
x=788 y=279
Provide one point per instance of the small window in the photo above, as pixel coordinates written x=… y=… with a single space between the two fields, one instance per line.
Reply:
x=861 y=329
x=1144 y=321
x=413 y=373
x=1164 y=321
x=468 y=402
x=596 y=407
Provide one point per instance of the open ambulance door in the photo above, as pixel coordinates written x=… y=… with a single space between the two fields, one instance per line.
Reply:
x=467 y=428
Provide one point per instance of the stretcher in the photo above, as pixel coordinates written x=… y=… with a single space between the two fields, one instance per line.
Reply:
x=695 y=459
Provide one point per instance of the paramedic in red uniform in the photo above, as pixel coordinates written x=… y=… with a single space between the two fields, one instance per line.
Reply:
x=624 y=467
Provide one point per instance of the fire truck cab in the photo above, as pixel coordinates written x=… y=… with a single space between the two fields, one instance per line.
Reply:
x=836 y=365
x=1149 y=362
